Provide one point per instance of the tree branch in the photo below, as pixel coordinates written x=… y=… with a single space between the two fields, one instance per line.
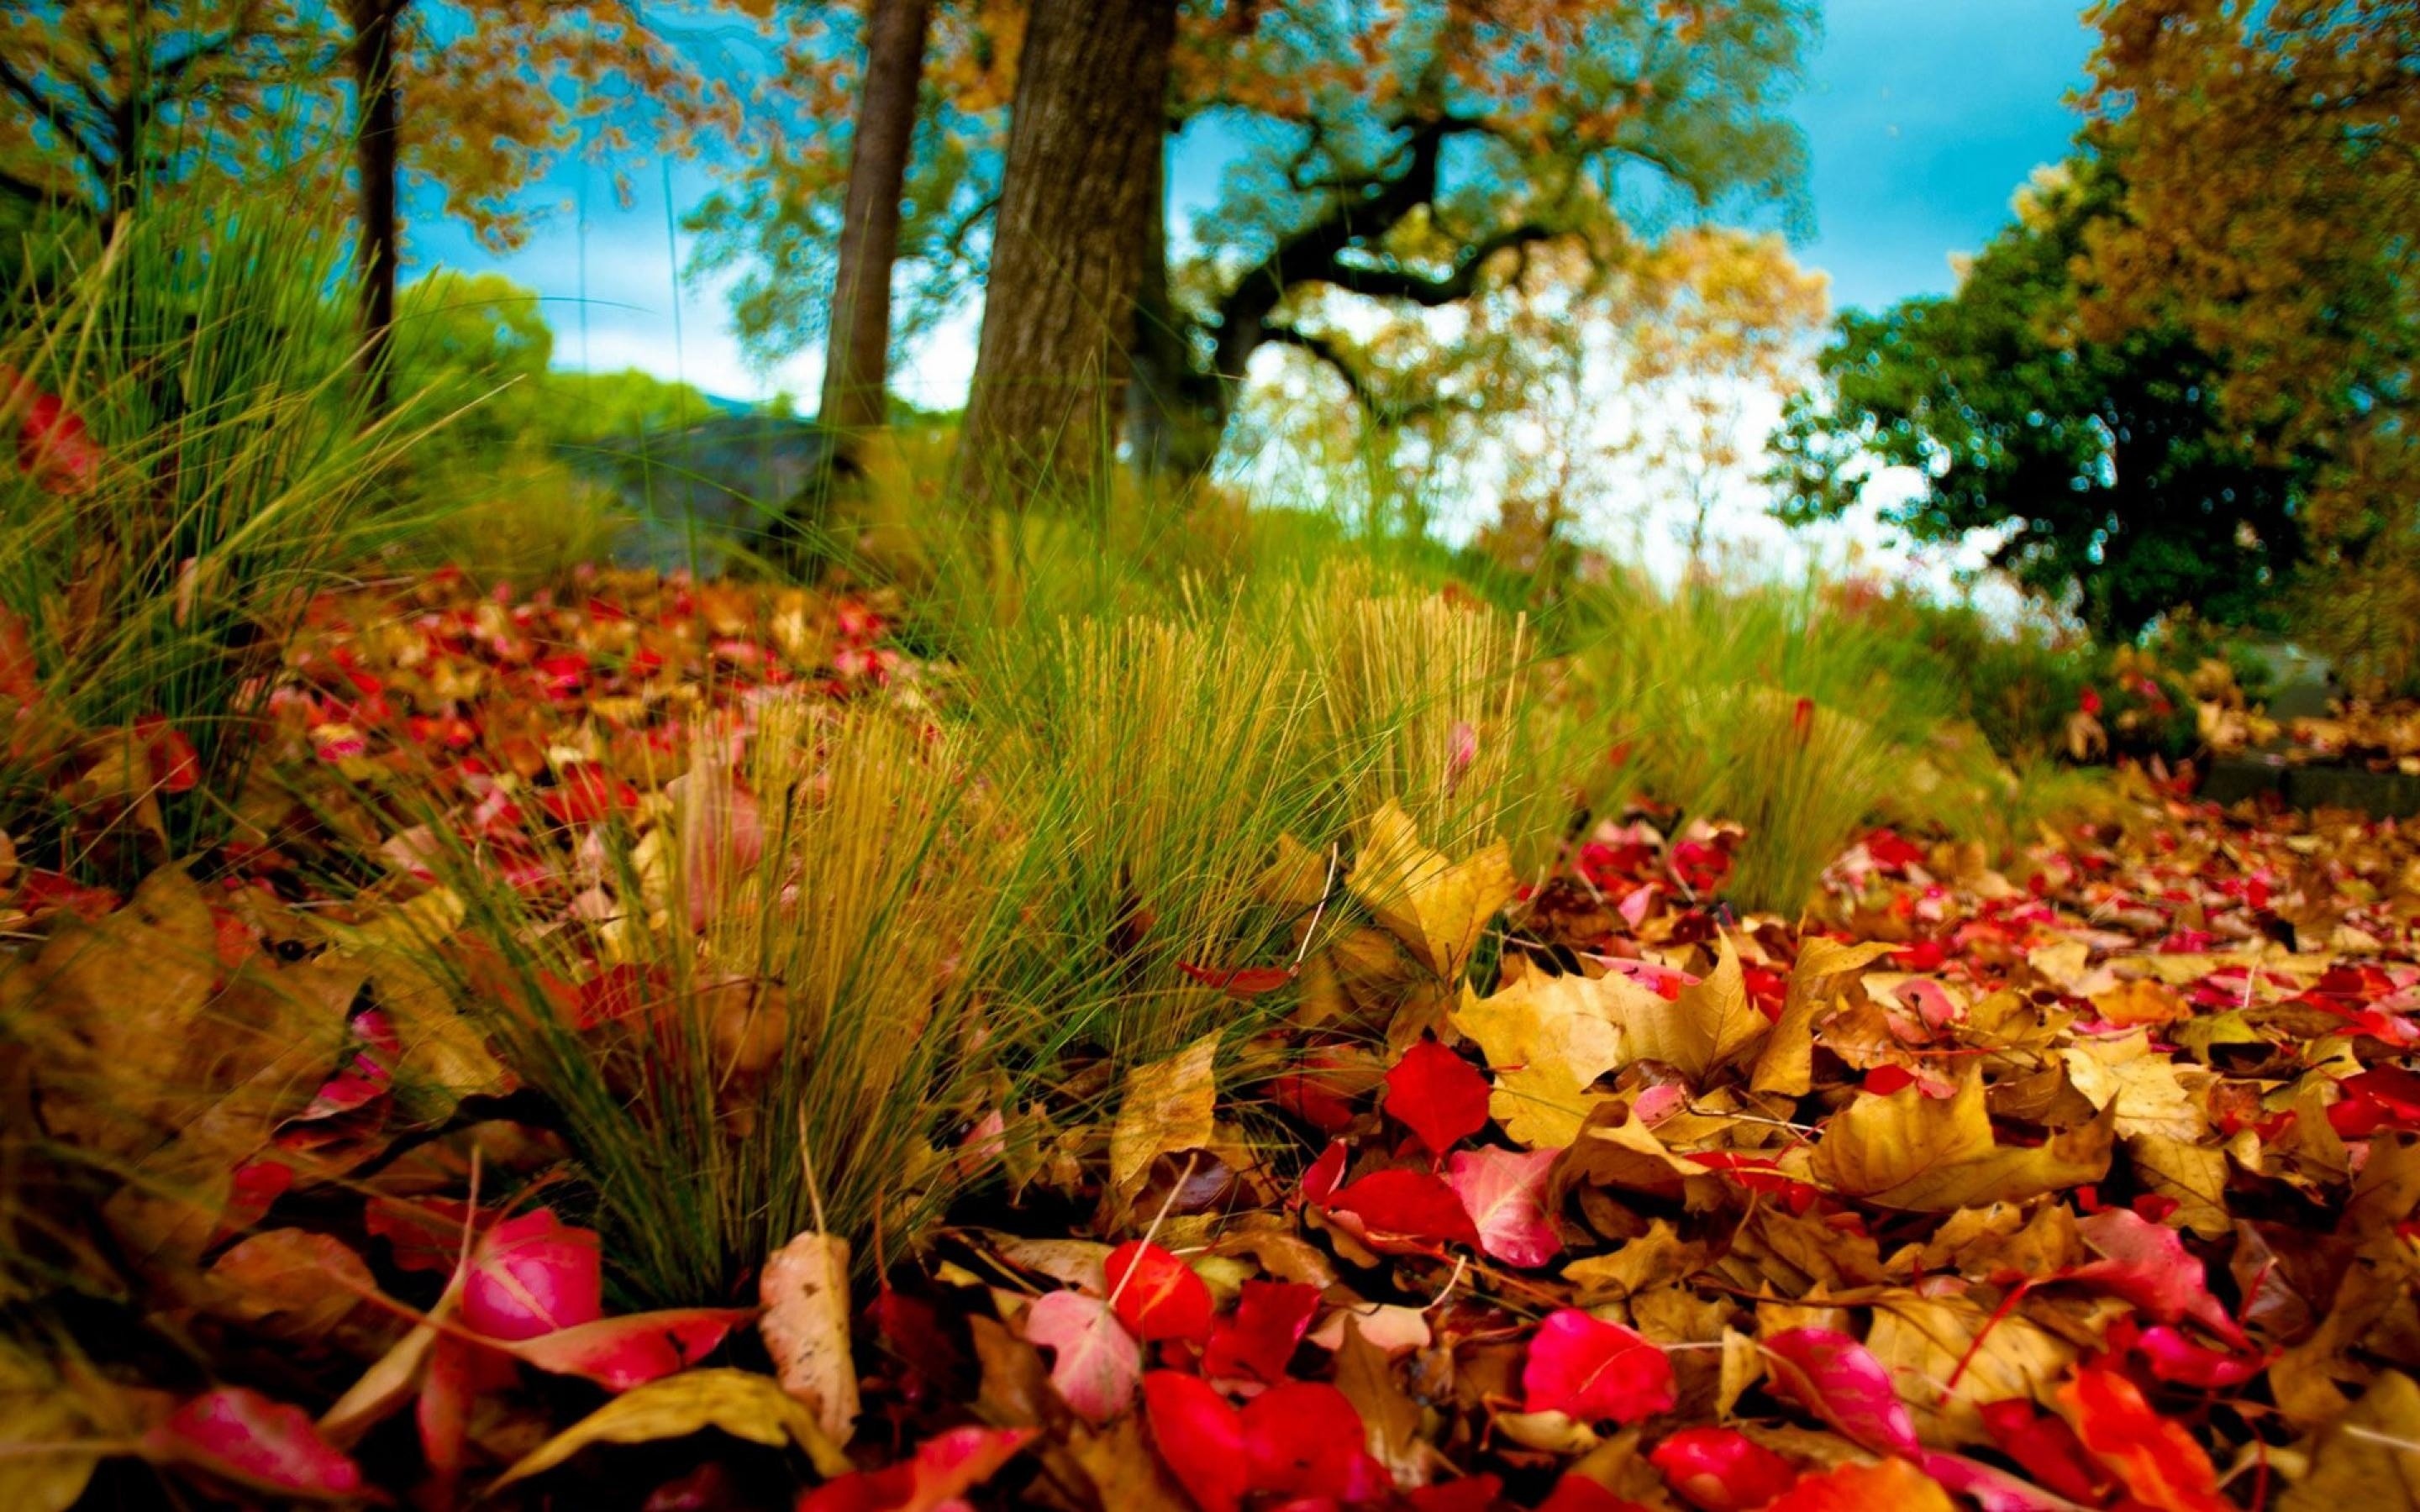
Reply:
x=57 y=116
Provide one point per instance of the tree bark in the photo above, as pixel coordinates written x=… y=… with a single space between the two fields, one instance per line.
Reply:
x=1058 y=310
x=858 y=349
x=380 y=104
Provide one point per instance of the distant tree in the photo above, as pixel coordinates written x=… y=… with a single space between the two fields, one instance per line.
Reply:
x=856 y=357
x=2115 y=481
x=98 y=99
x=1079 y=183
x=2272 y=192
x=1398 y=158
x=476 y=99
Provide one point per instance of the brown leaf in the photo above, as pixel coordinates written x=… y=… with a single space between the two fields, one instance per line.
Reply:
x=1365 y=1374
x=739 y=1402
x=1786 y=1063
x=2370 y=1457
x=1710 y=1025
x=1170 y=1106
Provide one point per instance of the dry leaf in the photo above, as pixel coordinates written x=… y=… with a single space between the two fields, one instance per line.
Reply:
x=1711 y=1024
x=1547 y=1038
x=1909 y=1150
x=1170 y=1106
x=739 y=1402
x=1438 y=908
x=804 y=1290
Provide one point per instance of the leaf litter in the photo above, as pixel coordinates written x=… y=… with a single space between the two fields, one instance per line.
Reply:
x=2087 y=1181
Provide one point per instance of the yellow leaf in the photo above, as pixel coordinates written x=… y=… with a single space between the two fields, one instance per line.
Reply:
x=1930 y=1155
x=1547 y=1039
x=742 y=1404
x=804 y=1290
x=36 y=1409
x=2193 y=1176
x=2370 y=1457
x=1170 y=1106
x=1436 y=907
x=1709 y=1024
x=2138 y=1089
x=1786 y=1063
x=1923 y=1340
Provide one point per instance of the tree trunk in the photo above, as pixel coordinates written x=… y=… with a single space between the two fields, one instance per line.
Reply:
x=1084 y=139
x=858 y=350
x=380 y=104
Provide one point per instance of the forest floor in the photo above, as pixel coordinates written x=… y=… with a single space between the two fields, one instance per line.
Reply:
x=2086 y=1178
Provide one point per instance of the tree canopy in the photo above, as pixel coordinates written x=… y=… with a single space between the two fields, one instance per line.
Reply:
x=2108 y=468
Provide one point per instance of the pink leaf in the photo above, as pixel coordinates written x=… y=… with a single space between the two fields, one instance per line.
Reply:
x=618 y=1353
x=1097 y=1364
x=1437 y=1095
x=1839 y=1380
x=236 y=1433
x=1589 y=1369
x=532 y=1275
x=1504 y=1191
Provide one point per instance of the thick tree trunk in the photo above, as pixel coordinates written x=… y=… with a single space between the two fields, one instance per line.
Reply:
x=1083 y=145
x=379 y=103
x=858 y=352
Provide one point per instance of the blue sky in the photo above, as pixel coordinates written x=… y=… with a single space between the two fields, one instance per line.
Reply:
x=1922 y=116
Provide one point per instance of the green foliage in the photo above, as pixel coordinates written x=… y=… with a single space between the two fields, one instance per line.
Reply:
x=2107 y=467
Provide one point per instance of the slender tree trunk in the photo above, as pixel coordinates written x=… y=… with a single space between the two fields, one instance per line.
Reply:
x=1059 y=311
x=379 y=103
x=857 y=352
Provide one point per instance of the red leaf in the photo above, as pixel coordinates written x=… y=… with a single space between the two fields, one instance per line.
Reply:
x=1471 y=1493
x=1504 y=1191
x=618 y=1353
x=1721 y=1470
x=1406 y=1205
x=1437 y=1095
x=2157 y=1463
x=2046 y=1448
x=174 y=765
x=946 y=1465
x=531 y=1275
x=2148 y=1265
x=1575 y=1493
x=1840 y=1381
x=54 y=447
x=1591 y=1370
x=236 y=1433
x=1259 y=1341
x=1242 y=984
x=1201 y=1437
x=1157 y=1295
x=1304 y=1437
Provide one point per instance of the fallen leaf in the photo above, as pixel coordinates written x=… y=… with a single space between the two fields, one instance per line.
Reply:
x=532 y=1274
x=1157 y=1295
x=1710 y=1025
x=805 y=1291
x=1786 y=1063
x=1095 y=1363
x=931 y=1480
x=1840 y=1381
x=1504 y=1192
x=1591 y=1370
x=1170 y=1106
x=1885 y=1486
x=1928 y=1154
x=2153 y=1457
x=1437 y=1095
x=1436 y=907
x=739 y=1402
x=1721 y=1470
x=2370 y=1457
x=618 y=1353
x=240 y=1435
x=1547 y=1038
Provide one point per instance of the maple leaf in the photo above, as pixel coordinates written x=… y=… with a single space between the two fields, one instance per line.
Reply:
x=1435 y=906
x=1504 y=1192
x=1909 y=1150
x=1711 y=1024
x=932 y=1480
x=1095 y=1363
x=1170 y=1106
x=1591 y=1370
x=1547 y=1038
